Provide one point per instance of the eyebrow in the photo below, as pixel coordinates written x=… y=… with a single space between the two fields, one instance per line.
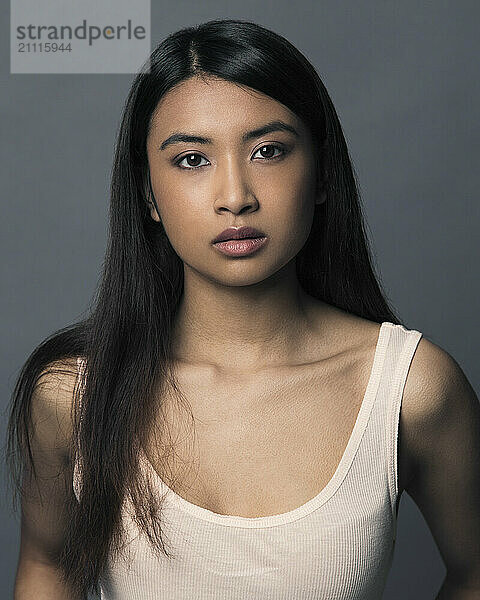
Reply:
x=249 y=135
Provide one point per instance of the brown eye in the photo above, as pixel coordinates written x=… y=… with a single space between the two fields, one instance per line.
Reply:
x=267 y=151
x=192 y=161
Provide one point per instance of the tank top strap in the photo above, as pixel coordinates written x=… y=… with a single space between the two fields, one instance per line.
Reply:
x=81 y=364
x=400 y=350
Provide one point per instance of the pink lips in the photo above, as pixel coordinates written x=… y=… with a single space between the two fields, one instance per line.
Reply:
x=240 y=241
x=238 y=233
x=241 y=247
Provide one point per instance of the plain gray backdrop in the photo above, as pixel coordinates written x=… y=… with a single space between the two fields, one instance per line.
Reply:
x=403 y=77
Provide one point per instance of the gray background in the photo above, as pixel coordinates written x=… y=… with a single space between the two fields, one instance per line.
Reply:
x=404 y=80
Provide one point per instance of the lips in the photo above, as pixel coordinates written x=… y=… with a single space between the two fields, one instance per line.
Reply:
x=238 y=233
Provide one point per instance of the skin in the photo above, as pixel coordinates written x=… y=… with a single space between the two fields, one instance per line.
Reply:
x=268 y=323
x=255 y=301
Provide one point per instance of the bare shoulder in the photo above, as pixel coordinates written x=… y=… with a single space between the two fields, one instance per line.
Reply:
x=435 y=385
x=441 y=427
x=51 y=409
x=436 y=397
x=48 y=495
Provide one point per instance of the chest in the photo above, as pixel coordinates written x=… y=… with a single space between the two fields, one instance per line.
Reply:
x=260 y=445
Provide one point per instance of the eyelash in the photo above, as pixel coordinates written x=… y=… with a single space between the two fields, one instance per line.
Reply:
x=284 y=150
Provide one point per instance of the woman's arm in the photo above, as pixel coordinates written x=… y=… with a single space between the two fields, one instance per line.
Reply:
x=441 y=429
x=40 y=581
x=45 y=501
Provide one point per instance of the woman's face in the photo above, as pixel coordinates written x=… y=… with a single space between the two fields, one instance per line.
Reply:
x=265 y=180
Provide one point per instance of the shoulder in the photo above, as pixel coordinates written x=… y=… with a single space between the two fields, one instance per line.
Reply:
x=52 y=408
x=438 y=402
x=47 y=491
x=442 y=434
x=435 y=385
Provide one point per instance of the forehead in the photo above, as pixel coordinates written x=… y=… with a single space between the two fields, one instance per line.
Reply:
x=217 y=106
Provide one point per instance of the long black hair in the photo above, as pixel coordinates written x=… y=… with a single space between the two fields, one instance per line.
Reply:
x=126 y=337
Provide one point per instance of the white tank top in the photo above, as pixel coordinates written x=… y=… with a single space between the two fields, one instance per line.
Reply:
x=337 y=546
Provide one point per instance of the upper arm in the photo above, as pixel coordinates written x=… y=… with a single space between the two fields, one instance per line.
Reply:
x=47 y=494
x=441 y=416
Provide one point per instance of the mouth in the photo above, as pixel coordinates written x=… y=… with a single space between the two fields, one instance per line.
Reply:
x=238 y=233
x=241 y=246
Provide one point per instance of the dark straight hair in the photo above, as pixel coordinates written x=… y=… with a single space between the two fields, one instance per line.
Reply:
x=126 y=337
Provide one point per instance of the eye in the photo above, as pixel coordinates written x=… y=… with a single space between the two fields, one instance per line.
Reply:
x=190 y=158
x=268 y=154
x=193 y=157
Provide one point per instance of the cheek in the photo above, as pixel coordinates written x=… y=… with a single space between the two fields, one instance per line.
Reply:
x=174 y=204
x=184 y=224
x=298 y=179
x=295 y=204
x=296 y=226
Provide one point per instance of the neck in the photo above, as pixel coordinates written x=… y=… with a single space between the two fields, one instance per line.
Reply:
x=242 y=328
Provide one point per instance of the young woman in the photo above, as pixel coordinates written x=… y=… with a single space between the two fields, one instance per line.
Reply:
x=226 y=423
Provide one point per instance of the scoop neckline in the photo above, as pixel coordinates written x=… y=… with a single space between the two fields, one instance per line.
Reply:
x=328 y=490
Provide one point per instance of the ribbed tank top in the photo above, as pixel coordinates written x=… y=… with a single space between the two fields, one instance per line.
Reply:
x=337 y=546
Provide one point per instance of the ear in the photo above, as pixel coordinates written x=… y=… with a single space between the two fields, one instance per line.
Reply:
x=150 y=204
x=153 y=211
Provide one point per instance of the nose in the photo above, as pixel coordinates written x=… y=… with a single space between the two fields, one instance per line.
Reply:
x=234 y=192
